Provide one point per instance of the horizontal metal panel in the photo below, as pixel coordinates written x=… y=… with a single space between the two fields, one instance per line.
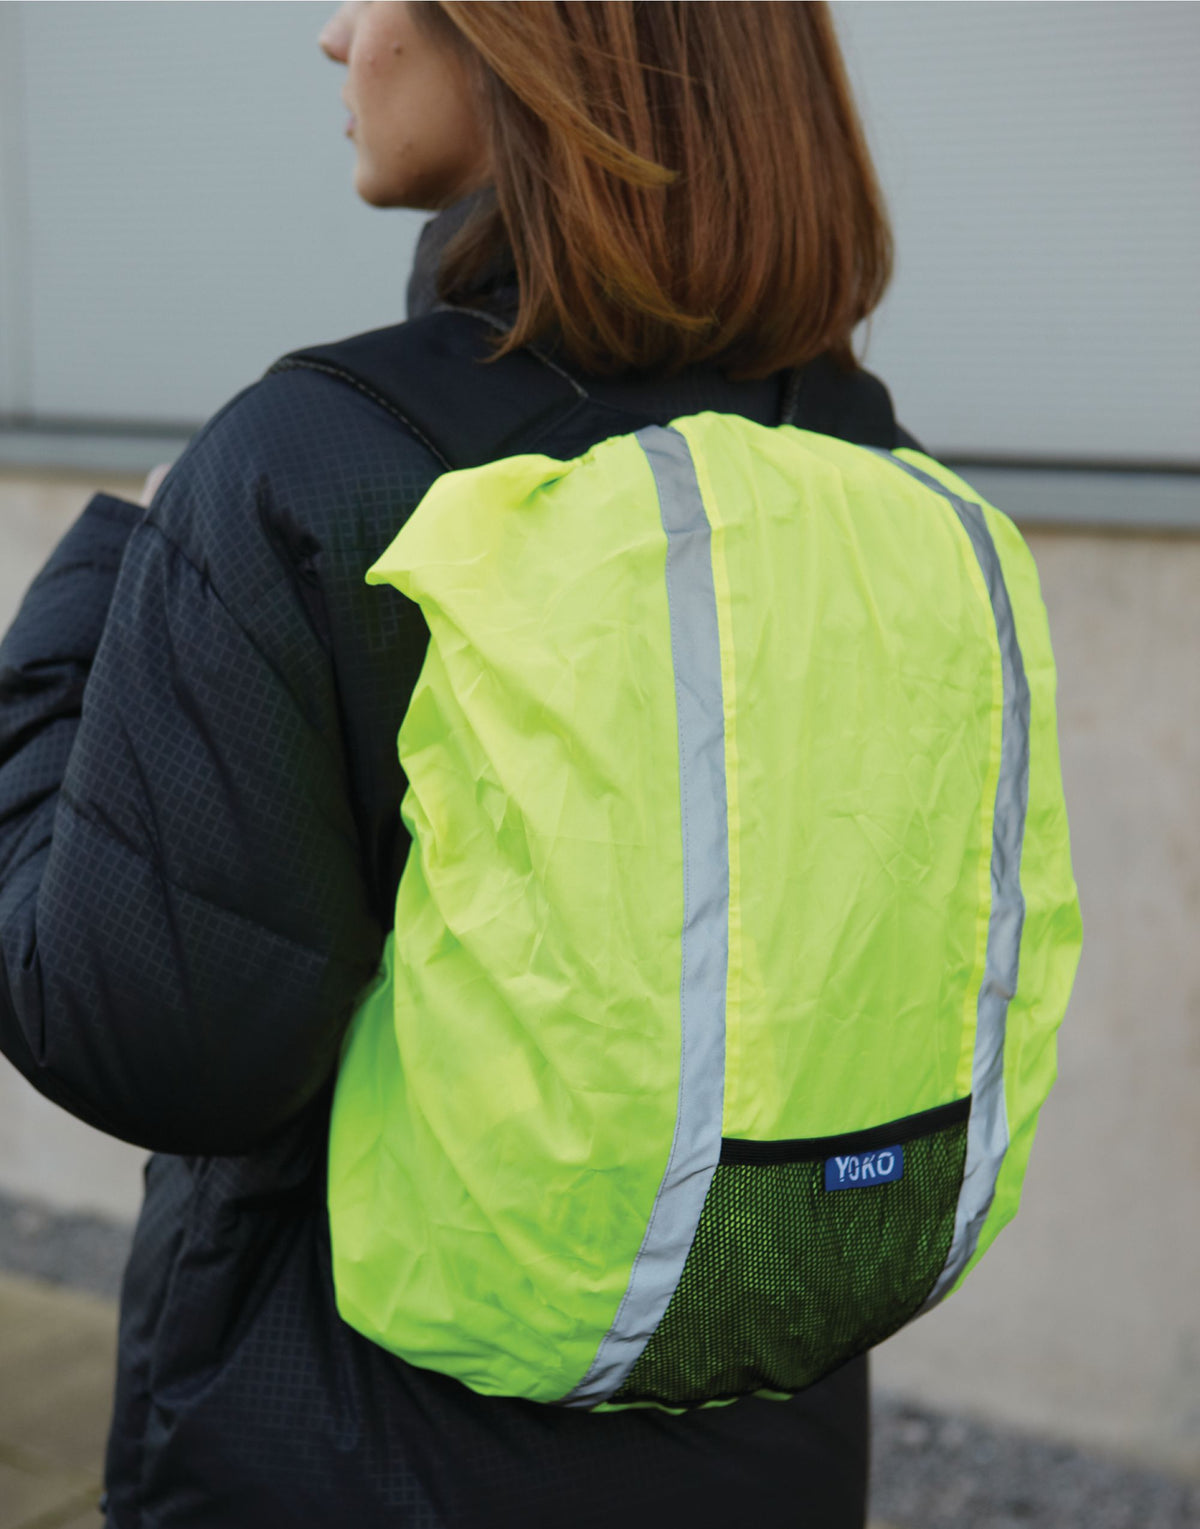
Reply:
x=1095 y=500
x=1083 y=499
x=82 y=450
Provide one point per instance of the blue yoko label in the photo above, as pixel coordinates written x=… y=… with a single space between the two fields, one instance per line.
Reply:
x=854 y=1170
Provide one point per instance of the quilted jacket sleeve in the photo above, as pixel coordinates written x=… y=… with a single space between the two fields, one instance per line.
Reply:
x=185 y=920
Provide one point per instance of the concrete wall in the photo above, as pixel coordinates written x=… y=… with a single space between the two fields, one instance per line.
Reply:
x=1083 y=1320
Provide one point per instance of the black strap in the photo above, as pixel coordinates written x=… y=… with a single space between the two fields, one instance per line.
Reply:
x=853 y=405
x=434 y=374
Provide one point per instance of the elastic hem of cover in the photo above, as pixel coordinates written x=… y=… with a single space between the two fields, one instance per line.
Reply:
x=738 y=1150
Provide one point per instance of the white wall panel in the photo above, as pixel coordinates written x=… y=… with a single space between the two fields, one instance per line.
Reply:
x=15 y=337
x=1042 y=163
x=192 y=212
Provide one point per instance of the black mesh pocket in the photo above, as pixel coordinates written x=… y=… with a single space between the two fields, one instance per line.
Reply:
x=807 y=1252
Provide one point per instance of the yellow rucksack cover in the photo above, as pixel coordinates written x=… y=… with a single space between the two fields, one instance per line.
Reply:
x=737 y=923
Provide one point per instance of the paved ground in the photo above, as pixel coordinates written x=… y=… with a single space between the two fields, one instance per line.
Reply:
x=58 y=1282
x=56 y=1353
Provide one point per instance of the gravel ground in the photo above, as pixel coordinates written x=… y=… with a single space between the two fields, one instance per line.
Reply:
x=85 y=1252
x=929 y=1471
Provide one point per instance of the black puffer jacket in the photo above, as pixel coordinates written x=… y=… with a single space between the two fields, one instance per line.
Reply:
x=199 y=852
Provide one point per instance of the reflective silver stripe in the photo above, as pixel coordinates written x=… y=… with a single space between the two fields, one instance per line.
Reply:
x=696 y=1146
x=987 y=1130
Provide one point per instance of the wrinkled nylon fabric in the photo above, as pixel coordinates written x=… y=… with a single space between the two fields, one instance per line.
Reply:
x=536 y=1025
x=987 y=1136
x=704 y=944
x=507 y=1101
x=1051 y=930
x=864 y=696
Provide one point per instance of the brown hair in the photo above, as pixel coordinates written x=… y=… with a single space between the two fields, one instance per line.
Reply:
x=678 y=181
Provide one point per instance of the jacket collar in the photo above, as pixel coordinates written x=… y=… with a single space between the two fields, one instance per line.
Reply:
x=852 y=405
x=497 y=291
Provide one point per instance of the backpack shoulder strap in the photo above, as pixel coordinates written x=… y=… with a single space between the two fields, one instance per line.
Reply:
x=855 y=405
x=434 y=375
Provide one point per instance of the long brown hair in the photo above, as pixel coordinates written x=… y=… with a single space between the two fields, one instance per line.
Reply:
x=678 y=181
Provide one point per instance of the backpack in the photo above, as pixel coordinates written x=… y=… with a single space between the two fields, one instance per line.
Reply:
x=708 y=1046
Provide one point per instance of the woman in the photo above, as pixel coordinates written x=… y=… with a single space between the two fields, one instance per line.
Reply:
x=200 y=848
